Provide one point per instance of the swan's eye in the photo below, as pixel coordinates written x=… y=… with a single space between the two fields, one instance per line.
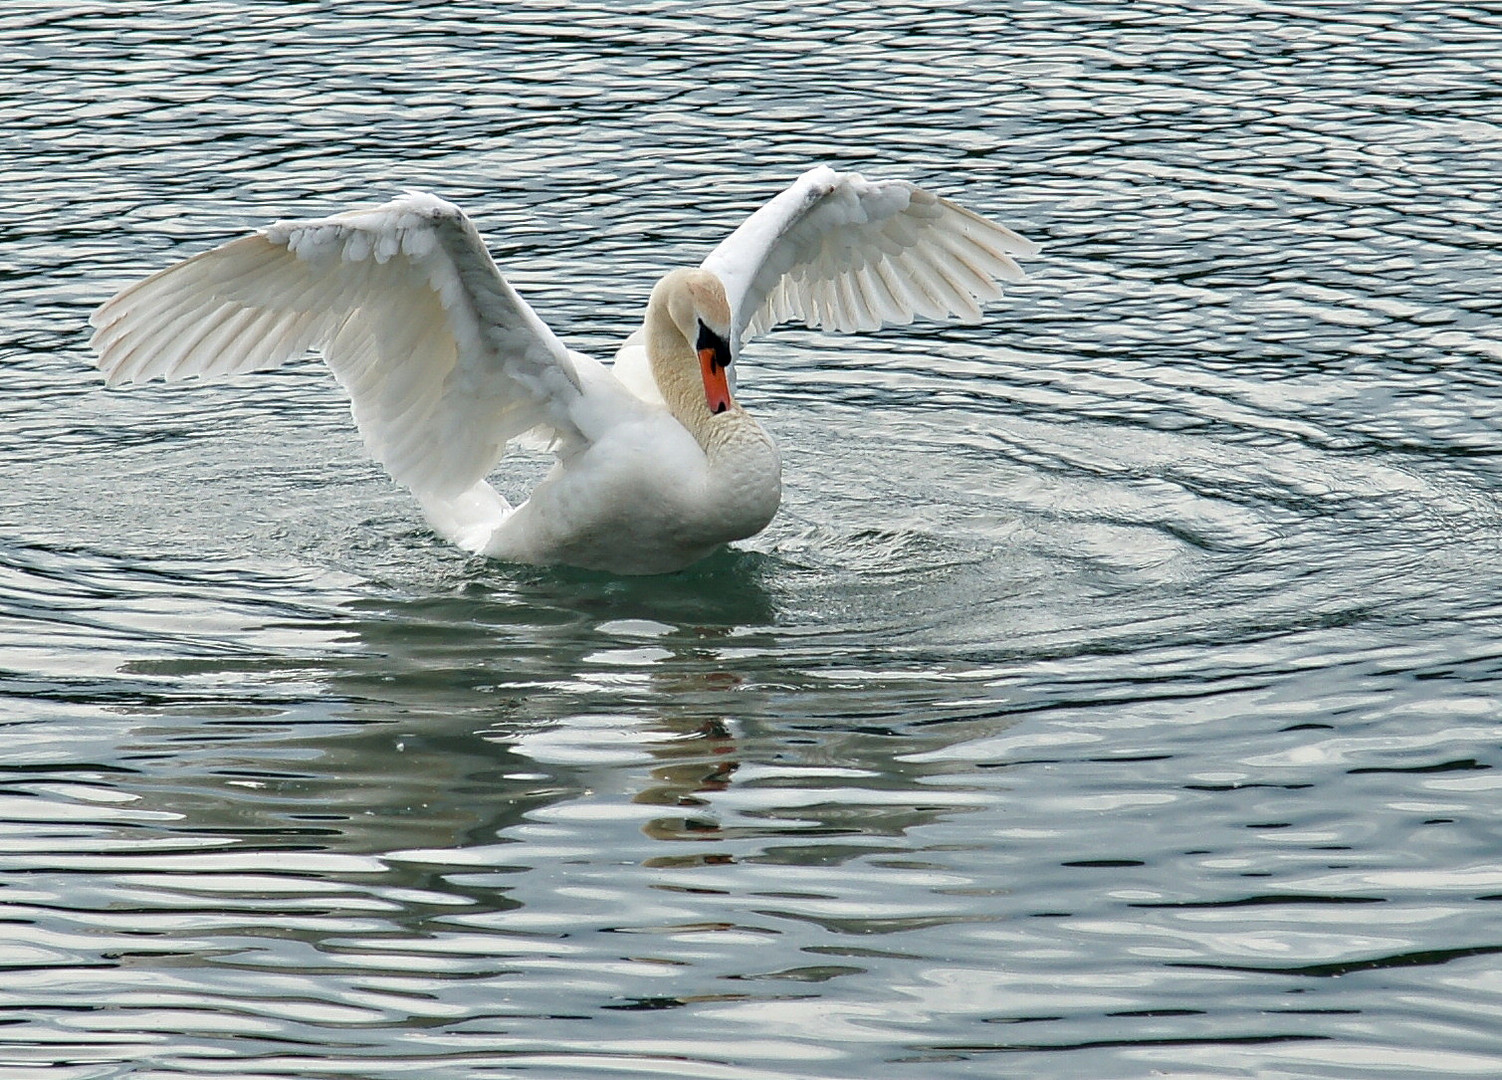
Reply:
x=714 y=343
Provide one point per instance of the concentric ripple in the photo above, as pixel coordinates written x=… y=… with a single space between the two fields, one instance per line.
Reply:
x=1115 y=695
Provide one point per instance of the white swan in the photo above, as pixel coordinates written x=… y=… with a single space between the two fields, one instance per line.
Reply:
x=445 y=364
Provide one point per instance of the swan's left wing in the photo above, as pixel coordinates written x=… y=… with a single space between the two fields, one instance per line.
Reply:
x=443 y=361
x=842 y=252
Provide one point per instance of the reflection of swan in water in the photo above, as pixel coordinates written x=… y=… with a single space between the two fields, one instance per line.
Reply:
x=445 y=363
x=367 y=723
x=730 y=588
x=429 y=726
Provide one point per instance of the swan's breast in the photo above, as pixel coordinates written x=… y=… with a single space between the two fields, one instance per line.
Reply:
x=745 y=479
x=645 y=498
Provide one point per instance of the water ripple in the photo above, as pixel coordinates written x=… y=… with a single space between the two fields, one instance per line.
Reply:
x=1114 y=695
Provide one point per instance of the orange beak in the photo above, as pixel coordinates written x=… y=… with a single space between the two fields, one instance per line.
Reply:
x=716 y=384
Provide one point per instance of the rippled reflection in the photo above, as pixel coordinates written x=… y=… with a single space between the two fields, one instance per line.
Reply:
x=1114 y=696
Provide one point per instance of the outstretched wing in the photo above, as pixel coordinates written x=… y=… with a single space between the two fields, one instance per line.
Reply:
x=442 y=360
x=846 y=253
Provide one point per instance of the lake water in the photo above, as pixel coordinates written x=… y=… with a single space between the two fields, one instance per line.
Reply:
x=1116 y=695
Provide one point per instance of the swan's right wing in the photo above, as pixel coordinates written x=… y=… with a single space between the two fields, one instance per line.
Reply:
x=443 y=361
x=846 y=253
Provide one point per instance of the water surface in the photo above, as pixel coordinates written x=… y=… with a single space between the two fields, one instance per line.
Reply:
x=1115 y=695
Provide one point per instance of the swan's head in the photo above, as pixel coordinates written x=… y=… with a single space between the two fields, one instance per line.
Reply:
x=696 y=303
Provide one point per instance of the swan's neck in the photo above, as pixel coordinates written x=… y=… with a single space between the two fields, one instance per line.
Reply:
x=745 y=470
x=675 y=367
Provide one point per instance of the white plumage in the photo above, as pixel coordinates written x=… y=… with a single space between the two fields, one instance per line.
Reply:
x=845 y=253
x=445 y=364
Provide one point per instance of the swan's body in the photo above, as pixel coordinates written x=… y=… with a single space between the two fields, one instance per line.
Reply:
x=445 y=364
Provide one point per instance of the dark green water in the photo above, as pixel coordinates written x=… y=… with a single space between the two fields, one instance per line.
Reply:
x=1115 y=696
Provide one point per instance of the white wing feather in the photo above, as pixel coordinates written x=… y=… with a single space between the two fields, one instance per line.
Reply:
x=442 y=360
x=844 y=253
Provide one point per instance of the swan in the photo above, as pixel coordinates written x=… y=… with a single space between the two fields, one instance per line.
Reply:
x=445 y=364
